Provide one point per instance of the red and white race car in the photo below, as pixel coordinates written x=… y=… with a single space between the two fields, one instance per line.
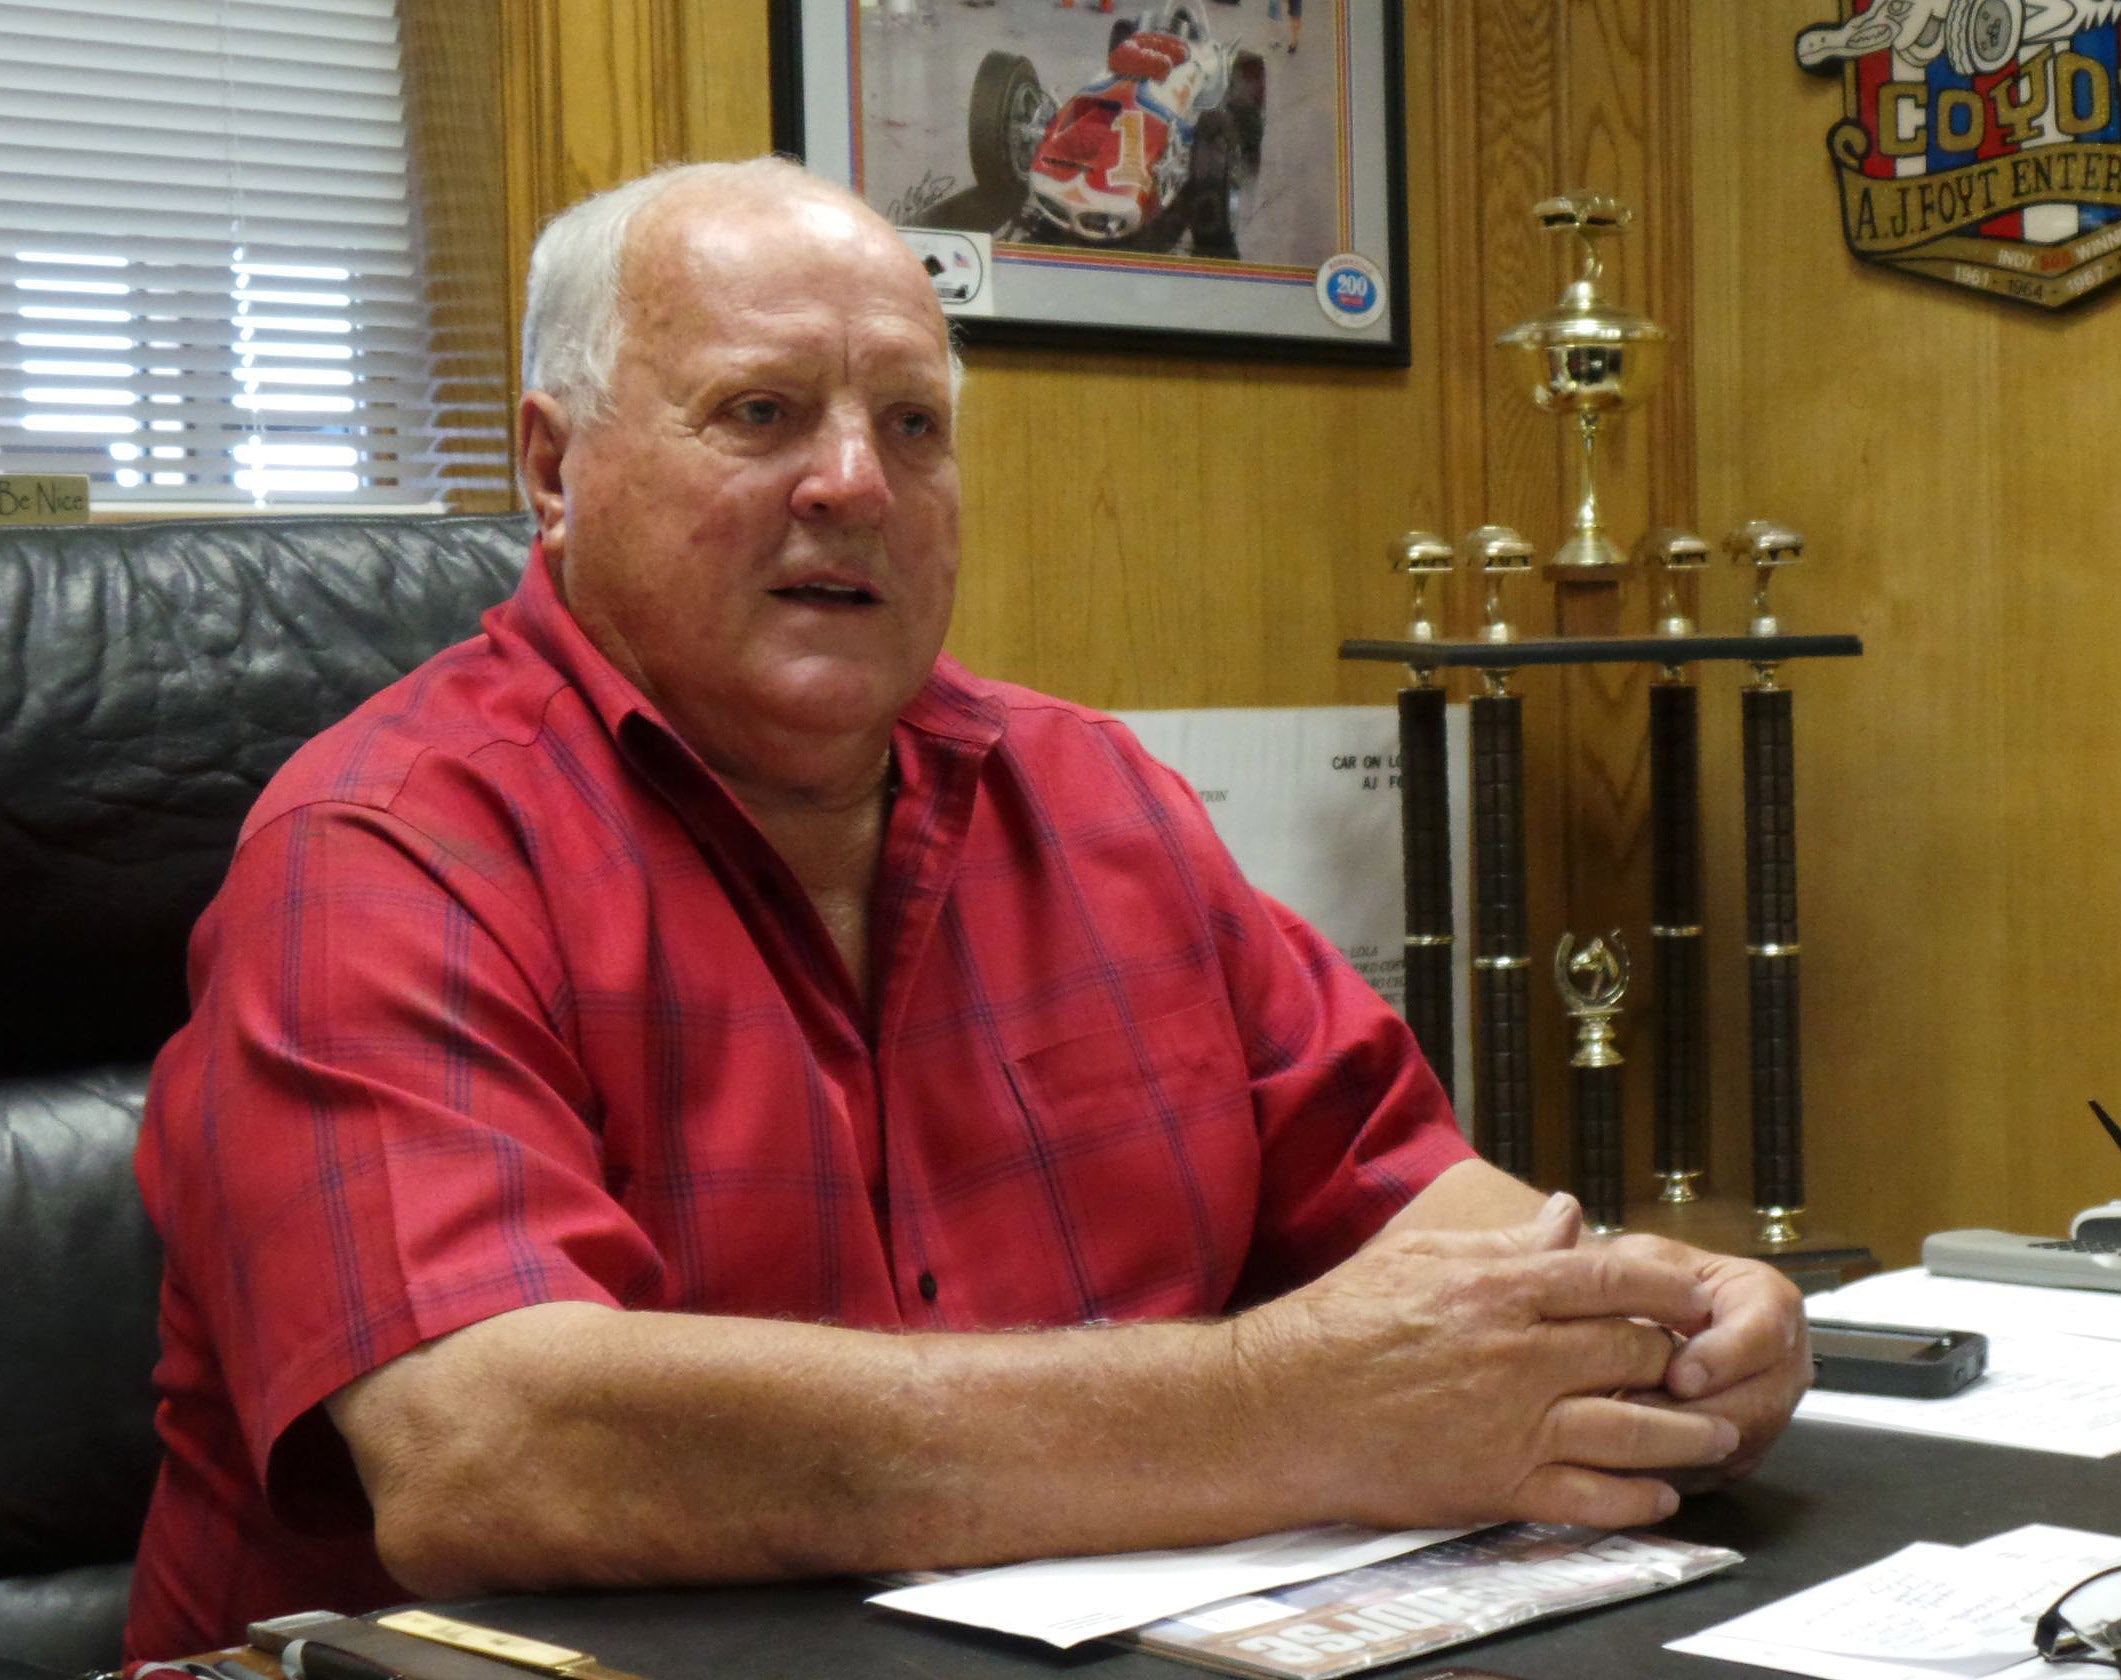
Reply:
x=1161 y=147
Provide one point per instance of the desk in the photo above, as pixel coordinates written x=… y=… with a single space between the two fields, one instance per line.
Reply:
x=1829 y=1499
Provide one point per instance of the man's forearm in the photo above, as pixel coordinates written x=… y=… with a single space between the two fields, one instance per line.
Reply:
x=1433 y=1378
x=1471 y=1196
x=573 y=1442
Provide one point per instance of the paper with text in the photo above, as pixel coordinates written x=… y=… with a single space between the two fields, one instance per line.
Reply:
x=1925 y=1612
x=2044 y=1390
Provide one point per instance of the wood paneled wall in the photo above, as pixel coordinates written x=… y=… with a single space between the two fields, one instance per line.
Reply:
x=1960 y=786
x=1211 y=531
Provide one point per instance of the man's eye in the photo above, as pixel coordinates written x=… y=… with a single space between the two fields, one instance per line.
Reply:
x=758 y=411
x=915 y=424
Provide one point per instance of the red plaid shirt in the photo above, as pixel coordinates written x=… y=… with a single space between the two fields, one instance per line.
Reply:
x=506 y=1001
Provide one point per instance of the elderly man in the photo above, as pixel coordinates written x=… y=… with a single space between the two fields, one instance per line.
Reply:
x=694 y=1084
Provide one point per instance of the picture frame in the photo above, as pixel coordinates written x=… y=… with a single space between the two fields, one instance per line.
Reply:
x=1203 y=177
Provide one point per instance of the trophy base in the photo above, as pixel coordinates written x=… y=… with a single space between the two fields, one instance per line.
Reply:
x=1778 y=1226
x=1818 y=1259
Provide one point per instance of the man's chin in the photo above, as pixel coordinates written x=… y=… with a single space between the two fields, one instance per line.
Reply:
x=820 y=718
x=829 y=696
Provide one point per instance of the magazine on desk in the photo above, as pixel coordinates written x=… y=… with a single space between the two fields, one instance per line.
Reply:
x=1427 y=1601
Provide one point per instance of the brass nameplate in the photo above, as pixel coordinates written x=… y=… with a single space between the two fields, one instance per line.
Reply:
x=45 y=499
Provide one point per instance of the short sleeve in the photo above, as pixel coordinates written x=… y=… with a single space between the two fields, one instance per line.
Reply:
x=374 y=1130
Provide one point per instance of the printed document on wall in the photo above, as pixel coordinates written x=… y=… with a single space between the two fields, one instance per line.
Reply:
x=1307 y=800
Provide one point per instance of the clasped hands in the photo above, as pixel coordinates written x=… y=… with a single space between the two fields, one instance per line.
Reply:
x=1445 y=1377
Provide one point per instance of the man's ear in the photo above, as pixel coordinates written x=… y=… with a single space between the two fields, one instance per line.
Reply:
x=543 y=426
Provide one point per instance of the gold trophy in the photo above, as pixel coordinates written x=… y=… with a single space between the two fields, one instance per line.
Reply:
x=1592 y=980
x=1588 y=358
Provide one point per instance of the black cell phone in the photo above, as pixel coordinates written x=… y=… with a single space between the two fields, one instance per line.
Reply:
x=1891 y=1359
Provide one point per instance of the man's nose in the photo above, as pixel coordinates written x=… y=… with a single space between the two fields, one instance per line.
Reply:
x=846 y=479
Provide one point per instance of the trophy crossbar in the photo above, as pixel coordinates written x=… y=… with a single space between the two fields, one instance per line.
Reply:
x=1601 y=650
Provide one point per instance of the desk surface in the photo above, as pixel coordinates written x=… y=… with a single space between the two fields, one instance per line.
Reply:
x=1829 y=1499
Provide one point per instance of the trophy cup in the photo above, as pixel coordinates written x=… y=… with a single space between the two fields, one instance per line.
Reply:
x=1587 y=358
x=1502 y=1090
x=1592 y=982
x=1771 y=946
x=1681 y=1095
x=1425 y=821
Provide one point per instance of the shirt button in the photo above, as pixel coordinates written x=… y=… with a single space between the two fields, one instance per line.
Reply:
x=927 y=1286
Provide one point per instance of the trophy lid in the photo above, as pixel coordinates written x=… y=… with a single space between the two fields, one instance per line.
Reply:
x=1586 y=353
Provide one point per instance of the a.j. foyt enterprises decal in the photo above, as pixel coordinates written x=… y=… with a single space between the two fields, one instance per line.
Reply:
x=1982 y=141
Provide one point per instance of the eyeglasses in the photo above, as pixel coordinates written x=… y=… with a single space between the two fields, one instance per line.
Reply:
x=2084 y=1624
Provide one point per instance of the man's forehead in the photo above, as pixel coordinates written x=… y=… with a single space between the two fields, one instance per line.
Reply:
x=693 y=249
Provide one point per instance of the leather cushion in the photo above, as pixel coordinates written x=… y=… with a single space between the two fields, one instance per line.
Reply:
x=152 y=677
x=77 y=1322
x=67 y=1622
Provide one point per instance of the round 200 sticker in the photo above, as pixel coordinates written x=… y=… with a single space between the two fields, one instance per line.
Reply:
x=1351 y=291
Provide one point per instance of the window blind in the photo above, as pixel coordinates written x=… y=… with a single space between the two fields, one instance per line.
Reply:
x=212 y=285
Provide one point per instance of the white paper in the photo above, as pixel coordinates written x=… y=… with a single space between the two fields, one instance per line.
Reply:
x=1919 y=1298
x=2058 y=1394
x=1924 y=1613
x=1065 y=1601
x=1307 y=800
x=2044 y=1390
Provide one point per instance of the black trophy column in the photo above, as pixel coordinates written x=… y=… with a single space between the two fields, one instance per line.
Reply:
x=1675 y=930
x=1502 y=1094
x=1601 y=1183
x=1425 y=851
x=1771 y=948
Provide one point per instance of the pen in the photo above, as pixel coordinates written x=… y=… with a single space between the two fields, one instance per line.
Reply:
x=2107 y=1120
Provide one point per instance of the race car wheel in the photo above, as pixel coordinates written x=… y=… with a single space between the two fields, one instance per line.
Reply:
x=1982 y=36
x=1007 y=120
x=1248 y=104
x=1121 y=29
x=1213 y=188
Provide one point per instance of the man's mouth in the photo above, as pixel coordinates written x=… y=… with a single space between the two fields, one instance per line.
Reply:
x=827 y=594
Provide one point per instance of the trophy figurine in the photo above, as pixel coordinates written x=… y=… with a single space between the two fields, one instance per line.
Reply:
x=1587 y=358
x=1592 y=980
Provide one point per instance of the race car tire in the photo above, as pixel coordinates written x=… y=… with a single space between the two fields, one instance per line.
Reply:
x=1247 y=103
x=1982 y=36
x=1121 y=29
x=1212 y=188
x=1005 y=121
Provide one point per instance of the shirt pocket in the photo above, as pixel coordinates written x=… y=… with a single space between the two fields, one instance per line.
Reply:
x=1141 y=1140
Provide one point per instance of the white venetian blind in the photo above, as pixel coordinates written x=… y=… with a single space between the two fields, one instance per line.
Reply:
x=211 y=276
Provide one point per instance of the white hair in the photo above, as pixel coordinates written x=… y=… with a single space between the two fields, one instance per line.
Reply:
x=574 y=307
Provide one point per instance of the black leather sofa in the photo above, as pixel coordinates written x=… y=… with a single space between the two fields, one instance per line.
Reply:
x=152 y=677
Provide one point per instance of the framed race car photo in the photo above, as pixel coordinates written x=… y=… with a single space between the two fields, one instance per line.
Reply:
x=1220 y=177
